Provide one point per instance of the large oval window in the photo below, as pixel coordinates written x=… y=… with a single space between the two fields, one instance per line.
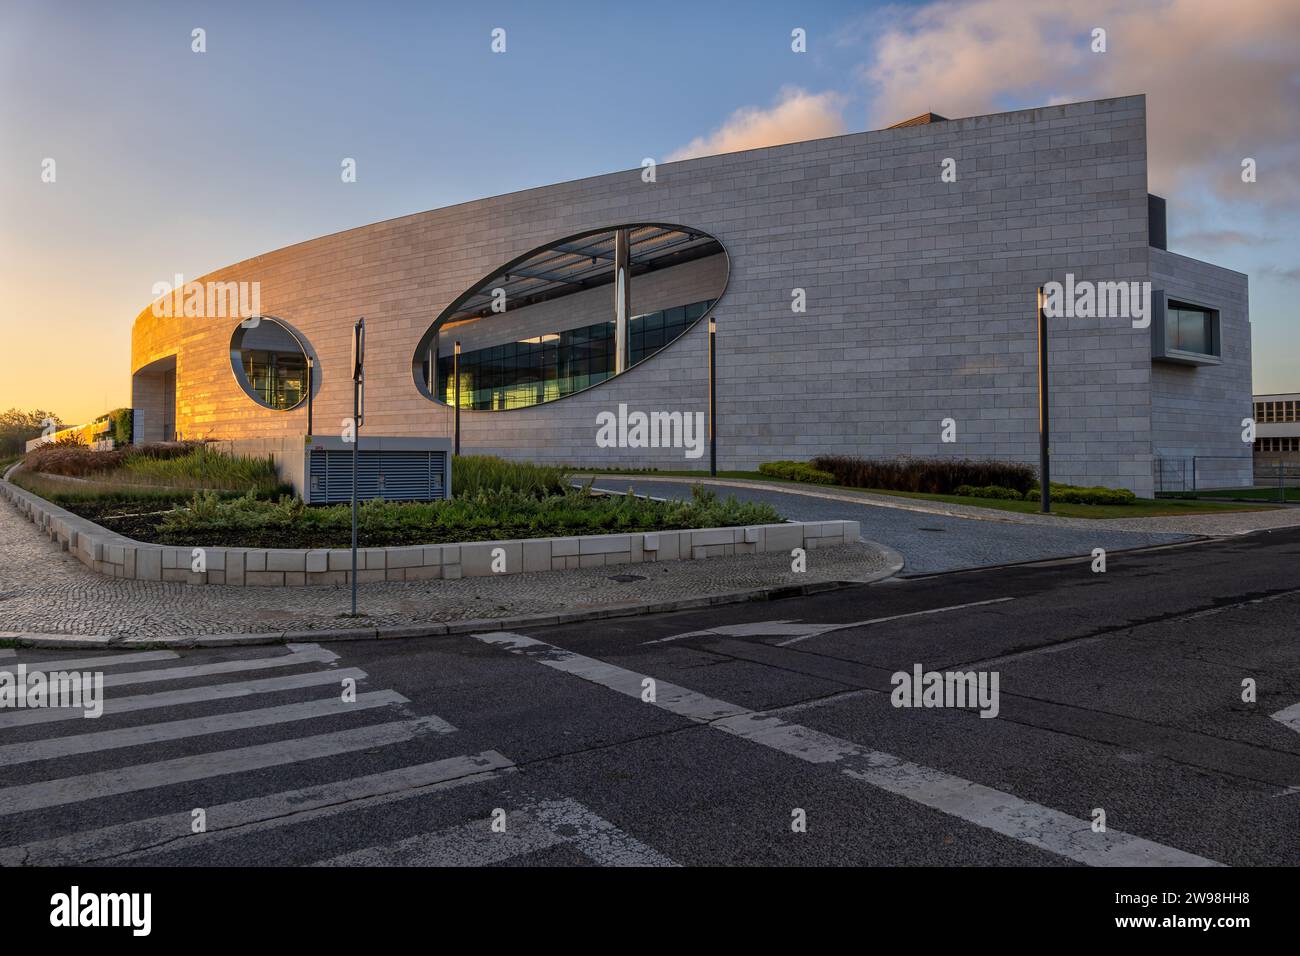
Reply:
x=269 y=362
x=570 y=315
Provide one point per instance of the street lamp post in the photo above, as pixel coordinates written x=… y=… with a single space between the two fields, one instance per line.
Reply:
x=713 y=397
x=1044 y=424
x=358 y=386
x=455 y=377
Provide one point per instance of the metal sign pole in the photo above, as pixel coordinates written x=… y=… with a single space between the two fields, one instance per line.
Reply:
x=358 y=380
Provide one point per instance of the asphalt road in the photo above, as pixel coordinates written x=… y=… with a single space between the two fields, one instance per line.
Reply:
x=1118 y=692
x=928 y=542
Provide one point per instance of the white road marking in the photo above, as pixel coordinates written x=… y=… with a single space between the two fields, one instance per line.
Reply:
x=164 y=773
x=224 y=821
x=188 y=695
x=95 y=663
x=597 y=838
x=312 y=656
x=534 y=827
x=892 y=617
x=1289 y=717
x=72 y=745
x=470 y=844
x=800 y=631
x=983 y=806
x=753 y=629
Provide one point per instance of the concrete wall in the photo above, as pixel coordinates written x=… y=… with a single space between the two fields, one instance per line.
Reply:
x=920 y=301
x=1197 y=410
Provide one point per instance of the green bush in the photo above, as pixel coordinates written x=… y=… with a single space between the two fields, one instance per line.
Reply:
x=209 y=467
x=938 y=476
x=485 y=516
x=1080 y=495
x=988 y=491
x=471 y=474
x=123 y=426
x=188 y=466
x=796 y=471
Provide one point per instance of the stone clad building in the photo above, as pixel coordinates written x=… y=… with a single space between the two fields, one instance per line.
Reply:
x=917 y=289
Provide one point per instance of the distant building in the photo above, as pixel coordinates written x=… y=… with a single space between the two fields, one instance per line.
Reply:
x=1277 y=428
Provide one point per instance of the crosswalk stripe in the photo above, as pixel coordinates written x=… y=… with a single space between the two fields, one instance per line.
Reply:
x=314 y=655
x=91 y=786
x=74 y=744
x=240 y=818
x=102 y=660
x=187 y=695
x=1003 y=813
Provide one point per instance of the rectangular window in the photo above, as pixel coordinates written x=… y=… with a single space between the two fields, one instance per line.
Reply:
x=1189 y=329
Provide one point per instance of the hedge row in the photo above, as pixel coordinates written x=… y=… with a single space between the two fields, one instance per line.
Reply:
x=796 y=471
x=1066 y=494
x=936 y=476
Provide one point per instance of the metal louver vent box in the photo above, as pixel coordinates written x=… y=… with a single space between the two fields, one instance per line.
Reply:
x=395 y=469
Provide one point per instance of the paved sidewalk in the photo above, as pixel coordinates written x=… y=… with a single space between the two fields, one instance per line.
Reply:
x=45 y=590
x=1207 y=525
x=932 y=539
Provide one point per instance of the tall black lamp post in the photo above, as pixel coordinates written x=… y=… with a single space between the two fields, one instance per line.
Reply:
x=1044 y=423
x=713 y=397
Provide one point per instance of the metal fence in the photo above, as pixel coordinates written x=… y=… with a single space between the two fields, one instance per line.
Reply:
x=1203 y=475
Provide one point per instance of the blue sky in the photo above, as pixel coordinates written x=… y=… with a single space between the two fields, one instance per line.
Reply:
x=174 y=162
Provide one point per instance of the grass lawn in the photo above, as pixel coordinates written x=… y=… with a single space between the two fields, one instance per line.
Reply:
x=1142 y=508
x=1245 y=494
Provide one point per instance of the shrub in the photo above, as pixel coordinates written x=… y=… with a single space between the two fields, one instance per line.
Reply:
x=203 y=466
x=184 y=465
x=484 y=516
x=1079 y=495
x=123 y=426
x=940 y=476
x=796 y=471
x=471 y=474
x=988 y=491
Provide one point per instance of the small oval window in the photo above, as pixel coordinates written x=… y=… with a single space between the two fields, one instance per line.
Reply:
x=269 y=362
x=570 y=315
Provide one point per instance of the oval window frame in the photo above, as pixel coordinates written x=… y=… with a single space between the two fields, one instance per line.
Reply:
x=237 y=366
x=421 y=346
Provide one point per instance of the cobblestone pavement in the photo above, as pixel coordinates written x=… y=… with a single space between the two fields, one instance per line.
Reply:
x=43 y=589
x=930 y=541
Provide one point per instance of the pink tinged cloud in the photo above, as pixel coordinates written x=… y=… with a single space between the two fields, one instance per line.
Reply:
x=796 y=115
x=1222 y=78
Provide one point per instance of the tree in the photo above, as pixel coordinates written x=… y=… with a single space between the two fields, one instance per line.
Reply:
x=17 y=428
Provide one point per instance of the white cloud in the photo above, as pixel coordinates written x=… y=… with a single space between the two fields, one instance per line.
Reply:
x=1220 y=78
x=797 y=115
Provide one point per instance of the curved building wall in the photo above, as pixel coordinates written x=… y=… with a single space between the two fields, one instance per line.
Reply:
x=920 y=303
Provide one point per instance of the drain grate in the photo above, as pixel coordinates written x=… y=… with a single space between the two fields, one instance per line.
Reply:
x=626 y=578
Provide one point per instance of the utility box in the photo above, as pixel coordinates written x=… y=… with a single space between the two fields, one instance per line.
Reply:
x=395 y=469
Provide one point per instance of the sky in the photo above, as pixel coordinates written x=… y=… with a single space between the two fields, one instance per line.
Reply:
x=170 y=161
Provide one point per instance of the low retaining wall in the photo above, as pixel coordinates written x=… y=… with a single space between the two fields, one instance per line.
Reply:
x=122 y=557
